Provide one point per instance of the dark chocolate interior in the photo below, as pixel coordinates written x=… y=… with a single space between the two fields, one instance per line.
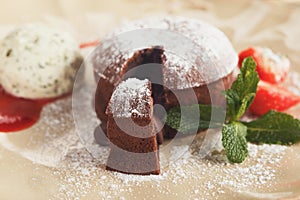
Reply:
x=147 y=64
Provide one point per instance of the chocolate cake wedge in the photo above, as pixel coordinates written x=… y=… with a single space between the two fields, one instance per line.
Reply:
x=131 y=129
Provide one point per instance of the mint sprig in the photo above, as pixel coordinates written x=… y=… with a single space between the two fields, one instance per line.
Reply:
x=239 y=97
x=272 y=128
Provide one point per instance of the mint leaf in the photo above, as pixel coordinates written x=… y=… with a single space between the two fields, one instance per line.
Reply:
x=232 y=101
x=246 y=102
x=234 y=141
x=247 y=80
x=185 y=119
x=242 y=92
x=274 y=128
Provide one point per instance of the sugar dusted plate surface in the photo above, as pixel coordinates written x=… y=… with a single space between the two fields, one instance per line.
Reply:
x=49 y=162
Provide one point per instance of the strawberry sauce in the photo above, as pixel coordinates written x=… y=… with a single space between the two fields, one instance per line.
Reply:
x=17 y=113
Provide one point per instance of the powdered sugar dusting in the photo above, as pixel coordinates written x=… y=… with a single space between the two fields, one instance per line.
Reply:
x=82 y=177
x=132 y=96
x=179 y=75
x=217 y=178
x=209 y=55
x=48 y=141
x=293 y=83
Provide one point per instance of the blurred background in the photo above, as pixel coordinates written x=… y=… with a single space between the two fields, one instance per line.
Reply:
x=19 y=11
x=91 y=19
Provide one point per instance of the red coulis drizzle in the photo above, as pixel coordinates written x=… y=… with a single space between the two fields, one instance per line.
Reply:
x=18 y=113
x=89 y=44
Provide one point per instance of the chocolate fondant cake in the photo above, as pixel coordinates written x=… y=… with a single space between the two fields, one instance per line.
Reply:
x=131 y=129
x=206 y=70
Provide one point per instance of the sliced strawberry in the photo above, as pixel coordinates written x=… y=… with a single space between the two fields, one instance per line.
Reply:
x=271 y=97
x=271 y=67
